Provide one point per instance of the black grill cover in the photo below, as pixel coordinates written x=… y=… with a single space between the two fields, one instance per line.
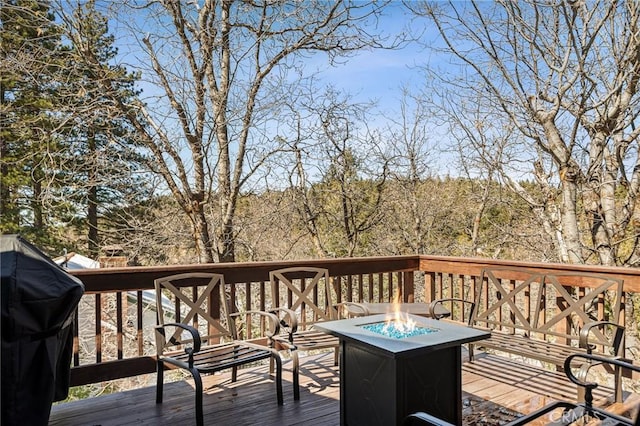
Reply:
x=38 y=304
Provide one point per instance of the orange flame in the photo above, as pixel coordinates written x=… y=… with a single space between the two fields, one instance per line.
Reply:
x=400 y=320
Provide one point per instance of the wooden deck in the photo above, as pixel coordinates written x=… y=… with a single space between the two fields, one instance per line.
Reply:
x=495 y=390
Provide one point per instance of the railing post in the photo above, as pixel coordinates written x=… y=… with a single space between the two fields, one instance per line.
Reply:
x=429 y=286
x=408 y=290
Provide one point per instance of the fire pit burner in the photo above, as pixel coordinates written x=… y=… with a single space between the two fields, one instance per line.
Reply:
x=397 y=329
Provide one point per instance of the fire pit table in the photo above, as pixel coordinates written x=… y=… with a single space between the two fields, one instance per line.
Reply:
x=388 y=372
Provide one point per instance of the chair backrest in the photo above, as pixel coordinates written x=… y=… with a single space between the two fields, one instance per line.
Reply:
x=594 y=298
x=521 y=301
x=305 y=290
x=504 y=301
x=199 y=301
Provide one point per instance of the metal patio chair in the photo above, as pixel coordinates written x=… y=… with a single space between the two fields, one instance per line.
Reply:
x=301 y=297
x=201 y=334
x=582 y=412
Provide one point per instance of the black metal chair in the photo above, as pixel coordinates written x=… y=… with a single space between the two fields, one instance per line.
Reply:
x=574 y=412
x=571 y=412
x=301 y=297
x=201 y=333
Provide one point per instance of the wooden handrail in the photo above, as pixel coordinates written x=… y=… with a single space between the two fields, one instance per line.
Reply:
x=141 y=277
x=472 y=266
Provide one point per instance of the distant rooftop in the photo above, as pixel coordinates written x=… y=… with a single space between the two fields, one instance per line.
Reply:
x=74 y=260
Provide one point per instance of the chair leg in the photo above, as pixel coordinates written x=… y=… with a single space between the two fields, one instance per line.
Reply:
x=159 y=381
x=197 y=380
x=276 y=358
x=617 y=377
x=336 y=356
x=296 y=375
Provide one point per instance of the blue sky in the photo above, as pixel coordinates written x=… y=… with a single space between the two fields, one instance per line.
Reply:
x=369 y=75
x=379 y=74
x=376 y=74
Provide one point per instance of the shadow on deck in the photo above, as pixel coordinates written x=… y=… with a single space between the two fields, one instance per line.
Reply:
x=495 y=390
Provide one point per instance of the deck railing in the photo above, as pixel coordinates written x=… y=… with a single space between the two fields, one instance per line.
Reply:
x=114 y=331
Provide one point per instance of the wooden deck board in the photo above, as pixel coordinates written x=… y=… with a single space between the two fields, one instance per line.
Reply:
x=494 y=389
x=518 y=376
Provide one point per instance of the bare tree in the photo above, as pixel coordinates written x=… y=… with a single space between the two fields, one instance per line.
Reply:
x=564 y=77
x=480 y=146
x=218 y=72
x=338 y=176
x=411 y=152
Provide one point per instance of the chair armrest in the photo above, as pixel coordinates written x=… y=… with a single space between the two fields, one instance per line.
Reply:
x=287 y=320
x=599 y=359
x=274 y=323
x=353 y=309
x=195 y=335
x=618 y=339
x=436 y=315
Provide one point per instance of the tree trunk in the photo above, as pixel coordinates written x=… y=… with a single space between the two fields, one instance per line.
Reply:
x=38 y=220
x=569 y=220
x=204 y=246
x=92 y=199
x=227 y=247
